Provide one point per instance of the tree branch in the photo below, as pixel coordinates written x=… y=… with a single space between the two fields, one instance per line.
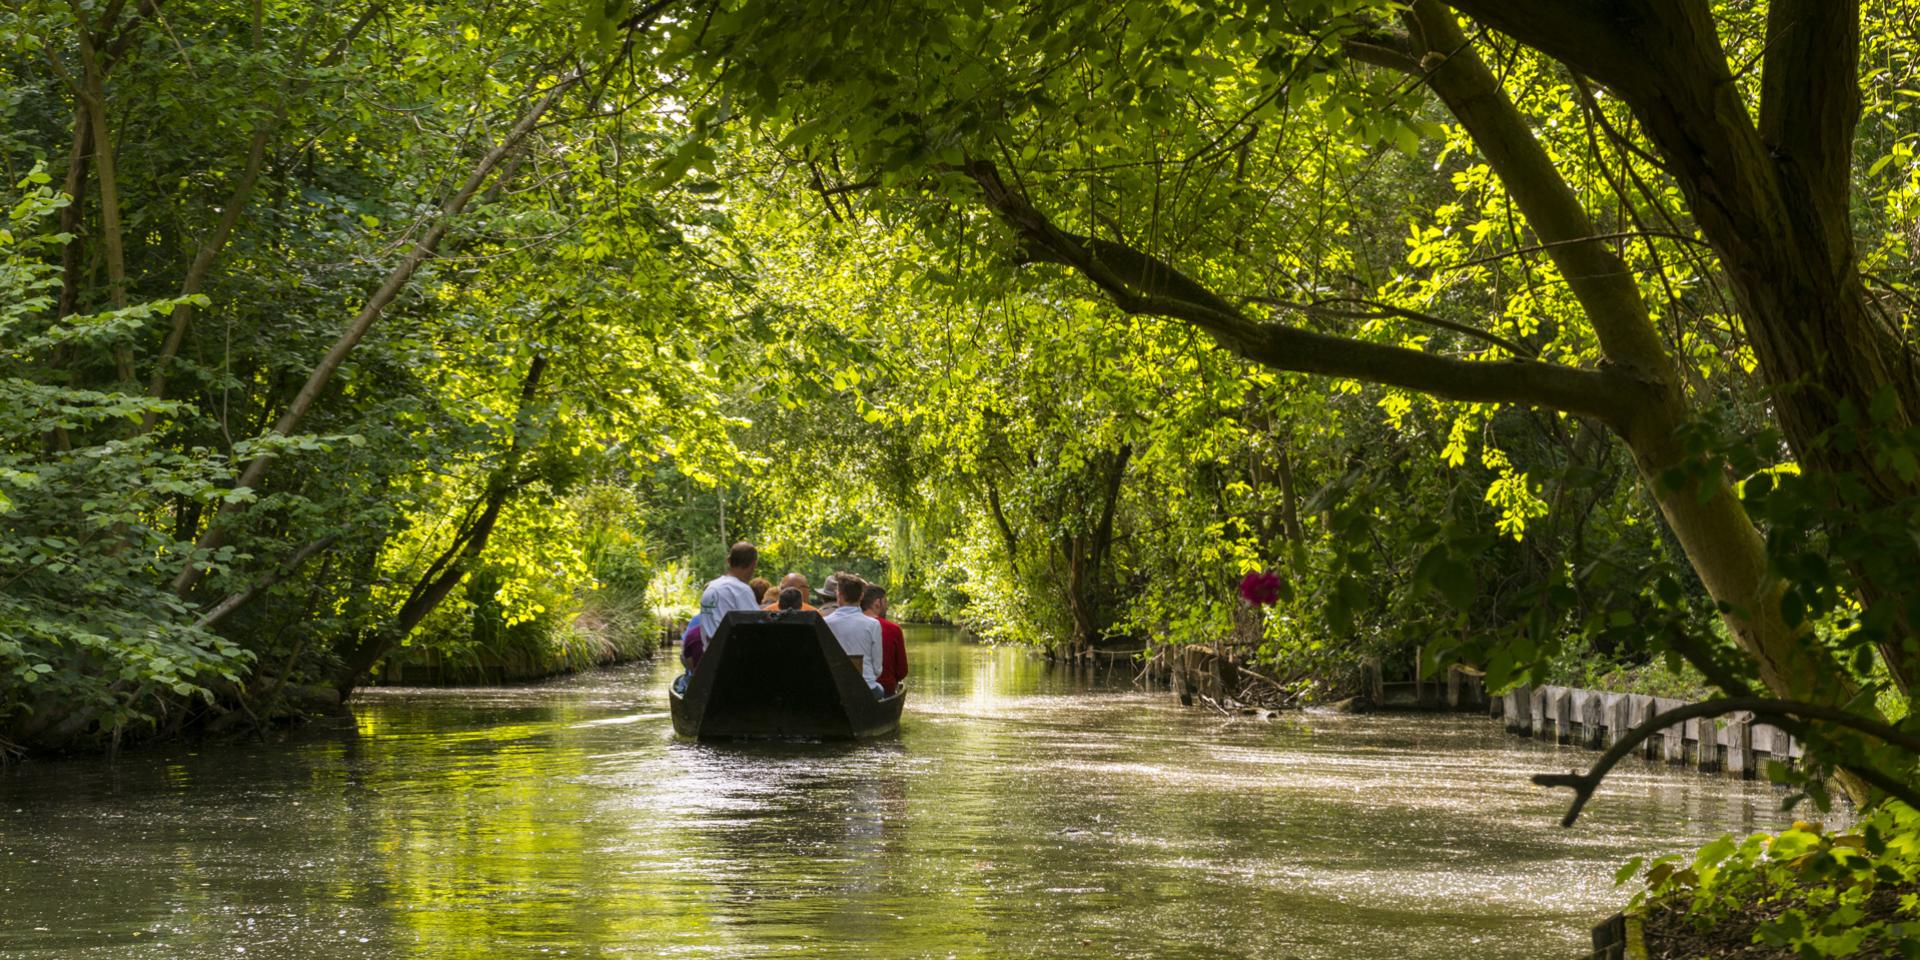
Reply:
x=1384 y=49
x=376 y=305
x=287 y=567
x=1381 y=310
x=1140 y=283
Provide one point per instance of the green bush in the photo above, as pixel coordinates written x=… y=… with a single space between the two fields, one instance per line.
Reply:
x=92 y=642
x=1809 y=892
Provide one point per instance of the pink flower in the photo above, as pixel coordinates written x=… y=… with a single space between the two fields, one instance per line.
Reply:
x=1260 y=588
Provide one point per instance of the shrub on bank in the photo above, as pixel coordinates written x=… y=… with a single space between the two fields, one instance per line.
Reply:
x=550 y=631
x=1654 y=678
x=1803 y=893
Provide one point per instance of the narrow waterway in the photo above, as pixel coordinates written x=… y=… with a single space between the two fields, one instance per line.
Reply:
x=1021 y=812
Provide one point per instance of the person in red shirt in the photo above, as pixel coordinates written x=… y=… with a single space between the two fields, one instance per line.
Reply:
x=893 y=642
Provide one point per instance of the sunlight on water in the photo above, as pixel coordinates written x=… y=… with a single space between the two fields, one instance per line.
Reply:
x=1021 y=812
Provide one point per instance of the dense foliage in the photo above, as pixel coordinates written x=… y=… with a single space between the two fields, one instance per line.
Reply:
x=344 y=337
x=1805 y=892
x=310 y=357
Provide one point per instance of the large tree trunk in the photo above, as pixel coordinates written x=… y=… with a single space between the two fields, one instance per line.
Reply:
x=1772 y=198
x=1720 y=541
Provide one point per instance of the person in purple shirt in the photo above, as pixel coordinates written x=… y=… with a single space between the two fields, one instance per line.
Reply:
x=693 y=643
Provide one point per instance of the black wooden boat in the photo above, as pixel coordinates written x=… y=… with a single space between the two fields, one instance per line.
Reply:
x=777 y=676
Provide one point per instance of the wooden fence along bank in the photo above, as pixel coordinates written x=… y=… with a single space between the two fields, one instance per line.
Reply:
x=1736 y=745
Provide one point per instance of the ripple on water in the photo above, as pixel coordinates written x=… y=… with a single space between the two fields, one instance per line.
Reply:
x=1021 y=812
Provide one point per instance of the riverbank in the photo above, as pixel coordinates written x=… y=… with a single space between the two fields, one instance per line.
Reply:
x=1805 y=891
x=607 y=631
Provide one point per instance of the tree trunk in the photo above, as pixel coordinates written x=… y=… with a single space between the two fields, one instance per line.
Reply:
x=1000 y=522
x=92 y=92
x=1719 y=540
x=1087 y=554
x=376 y=305
x=72 y=215
x=453 y=564
x=1772 y=199
x=1289 y=496
x=1080 y=604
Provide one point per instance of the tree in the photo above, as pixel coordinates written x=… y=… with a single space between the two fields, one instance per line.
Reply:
x=1143 y=126
x=370 y=246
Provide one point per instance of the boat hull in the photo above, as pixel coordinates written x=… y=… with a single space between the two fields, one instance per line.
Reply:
x=780 y=676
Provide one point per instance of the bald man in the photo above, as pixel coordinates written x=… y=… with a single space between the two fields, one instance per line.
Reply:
x=798 y=581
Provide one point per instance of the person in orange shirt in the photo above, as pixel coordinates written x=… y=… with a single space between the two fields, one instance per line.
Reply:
x=797 y=580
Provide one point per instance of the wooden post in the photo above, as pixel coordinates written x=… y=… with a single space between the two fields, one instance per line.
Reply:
x=1707 y=755
x=1517 y=705
x=1226 y=677
x=1542 y=709
x=1420 y=677
x=1620 y=715
x=1610 y=938
x=1771 y=743
x=1593 y=720
x=1674 y=747
x=1564 y=716
x=1474 y=688
x=1739 y=737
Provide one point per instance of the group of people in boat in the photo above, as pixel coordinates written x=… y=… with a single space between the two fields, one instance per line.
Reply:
x=854 y=610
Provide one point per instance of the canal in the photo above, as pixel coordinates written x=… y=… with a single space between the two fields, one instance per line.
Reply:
x=1022 y=811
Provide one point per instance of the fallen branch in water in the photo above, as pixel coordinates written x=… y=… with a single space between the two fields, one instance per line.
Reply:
x=1787 y=714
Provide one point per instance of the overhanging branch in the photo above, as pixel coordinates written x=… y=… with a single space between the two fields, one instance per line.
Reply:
x=1140 y=283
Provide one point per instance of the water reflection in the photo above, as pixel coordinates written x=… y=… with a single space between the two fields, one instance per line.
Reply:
x=1021 y=812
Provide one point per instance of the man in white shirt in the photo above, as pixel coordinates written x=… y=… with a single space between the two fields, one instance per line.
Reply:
x=859 y=634
x=724 y=595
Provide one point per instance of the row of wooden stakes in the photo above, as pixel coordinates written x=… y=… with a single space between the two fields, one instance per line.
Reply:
x=1736 y=745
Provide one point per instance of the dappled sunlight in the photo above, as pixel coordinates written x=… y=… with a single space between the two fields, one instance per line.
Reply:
x=1021 y=810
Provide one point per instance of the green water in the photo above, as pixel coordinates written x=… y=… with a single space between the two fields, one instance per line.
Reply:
x=1021 y=812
